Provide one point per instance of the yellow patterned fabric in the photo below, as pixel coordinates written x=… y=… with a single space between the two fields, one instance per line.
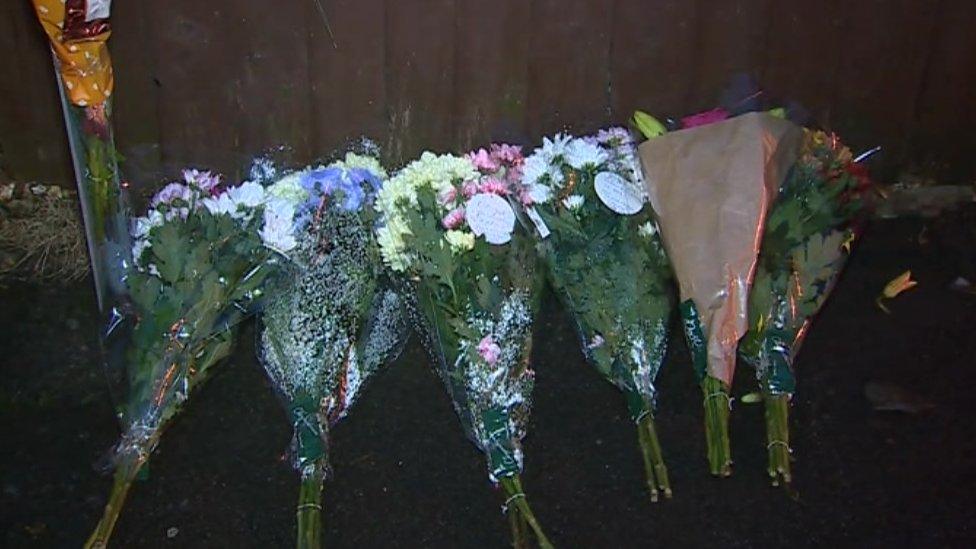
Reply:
x=85 y=65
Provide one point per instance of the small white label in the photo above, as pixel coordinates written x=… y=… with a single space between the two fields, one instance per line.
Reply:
x=618 y=194
x=491 y=216
x=97 y=9
x=540 y=225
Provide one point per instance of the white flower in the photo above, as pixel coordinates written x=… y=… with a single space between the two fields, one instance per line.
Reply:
x=535 y=167
x=573 y=202
x=554 y=148
x=353 y=160
x=220 y=205
x=142 y=225
x=138 y=248
x=248 y=194
x=460 y=241
x=288 y=188
x=7 y=192
x=647 y=230
x=277 y=232
x=579 y=154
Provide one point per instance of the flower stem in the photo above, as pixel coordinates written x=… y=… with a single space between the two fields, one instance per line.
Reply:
x=125 y=474
x=717 y=426
x=778 y=438
x=515 y=496
x=655 y=469
x=309 y=510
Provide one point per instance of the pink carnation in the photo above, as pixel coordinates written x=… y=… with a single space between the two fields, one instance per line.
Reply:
x=205 y=181
x=508 y=154
x=704 y=118
x=469 y=189
x=493 y=186
x=453 y=219
x=483 y=161
x=489 y=350
x=447 y=196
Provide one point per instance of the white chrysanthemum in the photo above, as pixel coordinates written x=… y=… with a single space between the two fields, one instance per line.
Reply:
x=580 y=153
x=573 y=202
x=220 y=205
x=248 y=194
x=460 y=241
x=534 y=169
x=289 y=188
x=647 y=230
x=142 y=225
x=138 y=248
x=277 y=232
x=555 y=147
x=353 y=160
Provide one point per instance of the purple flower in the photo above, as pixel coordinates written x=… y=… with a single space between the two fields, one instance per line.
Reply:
x=171 y=192
x=322 y=180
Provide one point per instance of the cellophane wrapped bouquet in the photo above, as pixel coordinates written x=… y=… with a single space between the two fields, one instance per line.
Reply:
x=605 y=259
x=201 y=257
x=807 y=240
x=330 y=321
x=711 y=185
x=451 y=231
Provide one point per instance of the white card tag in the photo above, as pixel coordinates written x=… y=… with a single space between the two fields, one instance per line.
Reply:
x=618 y=194
x=97 y=9
x=540 y=225
x=490 y=215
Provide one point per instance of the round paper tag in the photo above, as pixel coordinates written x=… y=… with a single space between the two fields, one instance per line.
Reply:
x=490 y=215
x=618 y=194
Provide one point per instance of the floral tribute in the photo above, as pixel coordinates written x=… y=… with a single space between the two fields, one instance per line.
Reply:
x=201 y=257
x=605 y=259
x=808 y=238
x=329 y=323
x=451 y=231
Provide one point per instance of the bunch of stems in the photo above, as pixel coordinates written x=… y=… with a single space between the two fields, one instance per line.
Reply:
x=655 y=469
x=521 y=519
x=309 y=509
x=717 y=403
x=777 y=407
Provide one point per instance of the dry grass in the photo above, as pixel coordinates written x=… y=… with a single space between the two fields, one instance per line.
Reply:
x=41 y=235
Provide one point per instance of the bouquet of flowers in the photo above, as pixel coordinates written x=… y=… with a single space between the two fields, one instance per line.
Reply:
x=606 y=261
x=808 y=236
x=452 y=232
x=329 y=324
x=711 y=186
x=201 y=256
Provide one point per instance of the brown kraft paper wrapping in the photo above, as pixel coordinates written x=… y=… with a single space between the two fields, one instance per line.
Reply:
x=711 y=187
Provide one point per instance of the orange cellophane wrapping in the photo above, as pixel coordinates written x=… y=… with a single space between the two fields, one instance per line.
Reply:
x=84 y=63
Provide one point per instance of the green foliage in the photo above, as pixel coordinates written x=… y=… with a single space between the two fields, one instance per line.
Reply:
x=210 y=270
x=802 y=253
x=614 y=278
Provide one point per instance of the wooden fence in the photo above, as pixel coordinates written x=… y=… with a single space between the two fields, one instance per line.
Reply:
x=213 y=82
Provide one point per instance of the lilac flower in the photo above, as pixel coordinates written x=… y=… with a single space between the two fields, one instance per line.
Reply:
x=171 y=192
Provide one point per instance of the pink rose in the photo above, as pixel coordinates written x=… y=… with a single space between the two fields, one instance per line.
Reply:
x=489 y=350
x=704 y=118
x=453 y=219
